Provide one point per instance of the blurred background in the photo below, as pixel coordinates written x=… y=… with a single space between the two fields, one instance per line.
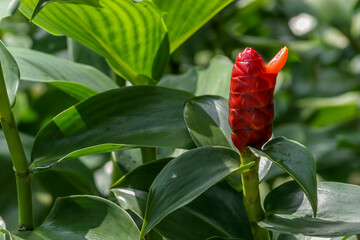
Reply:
x=317 y=98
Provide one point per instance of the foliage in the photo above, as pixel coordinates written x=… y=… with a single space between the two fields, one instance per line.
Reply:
x=122 y=111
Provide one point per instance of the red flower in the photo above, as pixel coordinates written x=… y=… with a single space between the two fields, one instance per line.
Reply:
x=251 y=109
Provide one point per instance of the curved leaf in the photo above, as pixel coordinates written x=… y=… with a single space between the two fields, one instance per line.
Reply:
x=215 y=79
x=296 y=160
x=131 y=36
x=197 y=220
x=207 y=120
x=185 y=178
x=2 y=227
x=80 y=81
x=8 y=8
x=299 y=237
x=185 y=17
x=289 y=211
x=138 y=115
x=84 y=217
x=10 y=71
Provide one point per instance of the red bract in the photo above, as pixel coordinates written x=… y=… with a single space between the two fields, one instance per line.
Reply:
x=251 y=109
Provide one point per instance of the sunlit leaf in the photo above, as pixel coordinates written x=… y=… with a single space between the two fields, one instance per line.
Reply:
x=8 y=8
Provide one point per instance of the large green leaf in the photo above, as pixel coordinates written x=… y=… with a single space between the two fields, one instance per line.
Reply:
x=2 y=226
x=131 y=36
x=185 y=178
x=299 y=237
x=207 y=120
x=197 y=220
x=10 y=71
x=84 y=217
x=80 y=81
x=215 y=79
x=8 y=8
x=138 y=115
x=296 y=160
x=185 y=17
x=289 y=211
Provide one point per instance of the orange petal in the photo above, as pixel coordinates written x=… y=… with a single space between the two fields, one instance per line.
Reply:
x=278 y=62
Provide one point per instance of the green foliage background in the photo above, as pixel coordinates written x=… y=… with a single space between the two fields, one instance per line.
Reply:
x=317 y=98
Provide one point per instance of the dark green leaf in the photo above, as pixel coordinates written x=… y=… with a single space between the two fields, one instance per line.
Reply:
x=289 y=211
x=128 y=159
x=185 y=178
x=217 y=212
x=80 y=81
x=2 y=226
x=186 y=81
x=184 y=18
x=207 y=120
x=84 y=217
x=10 y=72
x=298 y=237
x=296 y=160
x=131 y=36
x=8 y=8
x=138 y=115
x=81 y=54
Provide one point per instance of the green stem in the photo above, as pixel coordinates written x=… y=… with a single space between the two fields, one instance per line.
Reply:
x=148 y=154
x=23 y=177
x=250 y=180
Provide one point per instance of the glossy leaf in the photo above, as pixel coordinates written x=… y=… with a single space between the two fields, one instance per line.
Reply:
x=120 y=30
x=10 y=72
x=289 y=211
x=215 y=79
x=197 y=220
x=184 y=18
x=84 y=217
x=79 y=81
x=2 y=226
x=138 y=115
x=299 y=237
x=8 y=8
x=185 y=178
x=297 y=161
x=207 y=120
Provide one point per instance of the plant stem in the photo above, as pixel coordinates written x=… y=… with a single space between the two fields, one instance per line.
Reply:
x=148 y=154
x=23 y=177
x=250 y=180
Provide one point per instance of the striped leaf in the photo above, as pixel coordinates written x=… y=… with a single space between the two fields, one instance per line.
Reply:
x=131 y=36
x=185 y=17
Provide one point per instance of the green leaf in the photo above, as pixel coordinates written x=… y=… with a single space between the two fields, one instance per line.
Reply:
x=128 y=159
x=79 y=81
x=2 y=226
x=213 y=80
x=297 y=161
x=138 y=115
x=81 y=54
x=42 y=3
x=197 y=220
x=185 y=17
x=289 y=211
x=221 y=238
x=10 y=72
x=207 y=120
x=131 y=36
x=336 y=12
x=8 y=8
x=298 y=237
x=320 y=112
x=216 y=78
x=84 y=217
x=185 y=178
